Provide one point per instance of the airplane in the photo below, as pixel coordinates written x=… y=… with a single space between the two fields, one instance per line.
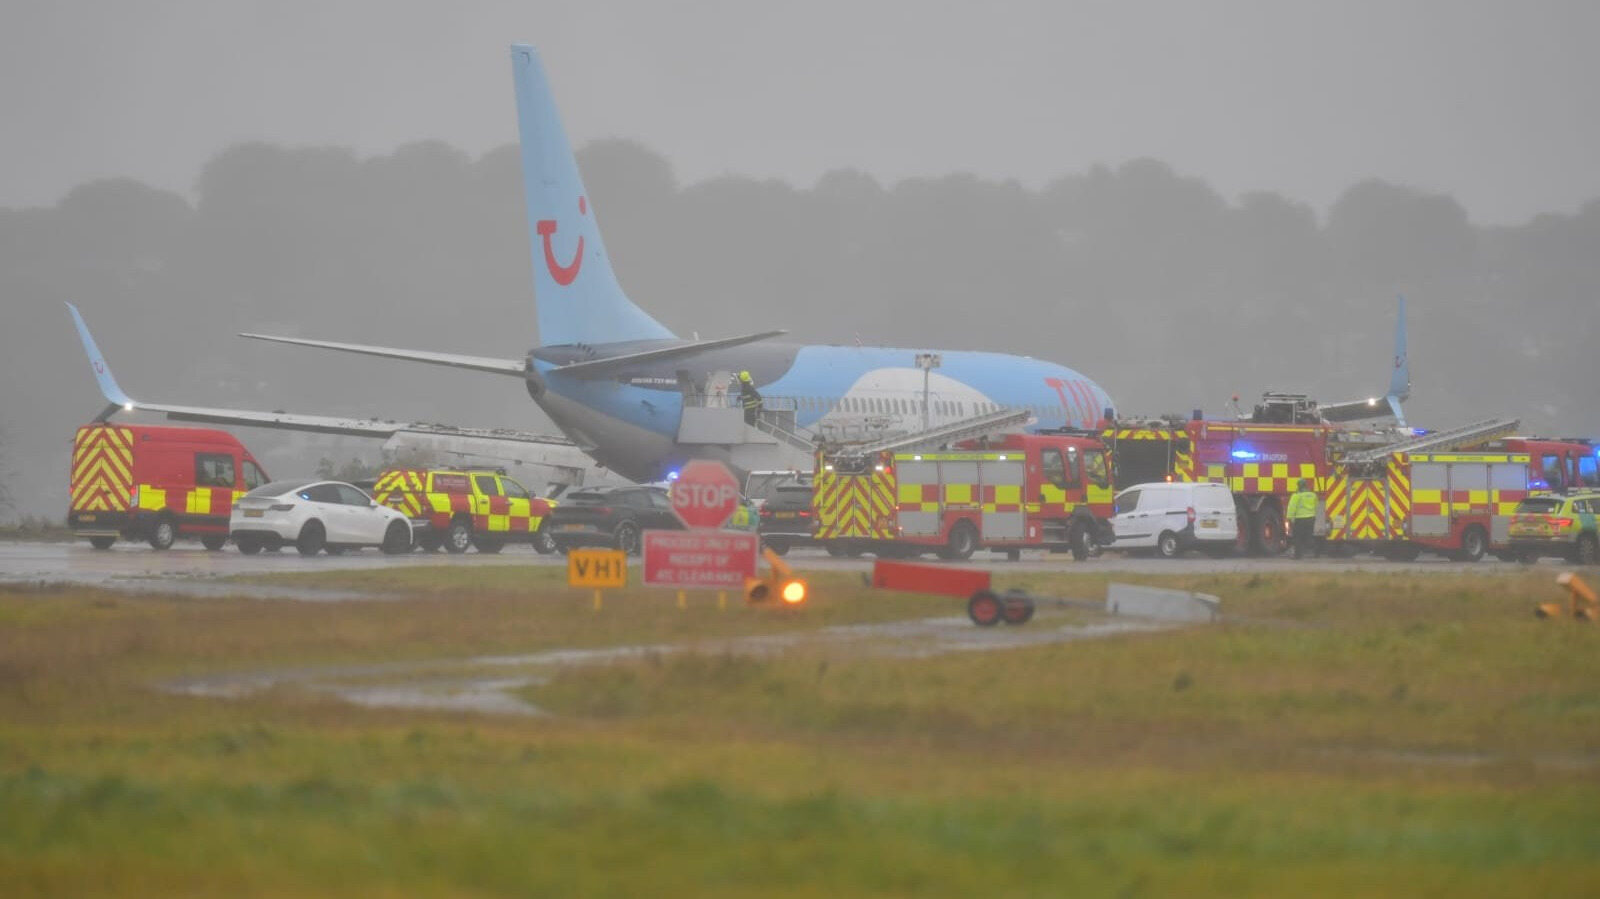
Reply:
x=640 y=400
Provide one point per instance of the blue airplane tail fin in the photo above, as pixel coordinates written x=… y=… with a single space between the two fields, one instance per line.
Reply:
x=575 y=289
x=1400 y=377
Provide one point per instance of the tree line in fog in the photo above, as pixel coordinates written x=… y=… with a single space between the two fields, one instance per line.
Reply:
x=1170 y=295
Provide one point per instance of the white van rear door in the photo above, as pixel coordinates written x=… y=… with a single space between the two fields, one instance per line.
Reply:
x=1215 y=516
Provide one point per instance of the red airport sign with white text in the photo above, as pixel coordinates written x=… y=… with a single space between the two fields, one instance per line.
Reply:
x=700 y=560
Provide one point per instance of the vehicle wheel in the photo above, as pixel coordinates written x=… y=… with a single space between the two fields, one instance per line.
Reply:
x=1079 y=541
x=563 y=549
x=164 y=533
x=963 y=540
x=102 y=542
x=1016 y=609
x=781 y=548
x=1587 y=552
x=543 y=543
x=1167 y=545
x=1269 y=534
x=397 y=539
x=248 y=545
x=459 y=537
x=1013 y=555
x=984 y=609
x=1474 y=543
x=214 y=542
x=627 y=538
x=487 y=544
x=311 y=540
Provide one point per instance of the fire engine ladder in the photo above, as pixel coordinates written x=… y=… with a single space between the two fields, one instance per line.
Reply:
x=966 y=429
x=1488 y=429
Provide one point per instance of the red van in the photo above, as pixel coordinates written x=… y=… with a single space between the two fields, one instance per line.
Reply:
x=147 y=482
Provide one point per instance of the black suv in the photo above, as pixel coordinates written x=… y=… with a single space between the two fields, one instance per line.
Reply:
x=611 y=516
x=786 y=518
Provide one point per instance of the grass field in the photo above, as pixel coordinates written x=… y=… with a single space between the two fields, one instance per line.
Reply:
x=1353 y=734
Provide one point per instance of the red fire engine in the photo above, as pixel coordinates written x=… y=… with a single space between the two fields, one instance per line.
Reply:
x=1554 y=465
x=1004 y=493
x=1259 y=460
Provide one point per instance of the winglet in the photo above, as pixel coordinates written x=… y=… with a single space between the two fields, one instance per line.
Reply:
x=97 y=362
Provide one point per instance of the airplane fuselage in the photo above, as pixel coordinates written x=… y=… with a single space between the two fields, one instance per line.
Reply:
x=630 y=421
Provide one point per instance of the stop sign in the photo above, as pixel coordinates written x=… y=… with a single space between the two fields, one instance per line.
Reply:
x=705 y=494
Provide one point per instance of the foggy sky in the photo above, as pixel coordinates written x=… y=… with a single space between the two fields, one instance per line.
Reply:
x=1493 y=103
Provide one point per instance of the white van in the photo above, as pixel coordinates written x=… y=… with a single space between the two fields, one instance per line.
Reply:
x=1171 y=518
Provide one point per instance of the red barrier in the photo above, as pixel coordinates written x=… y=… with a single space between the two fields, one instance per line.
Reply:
x=942 y=579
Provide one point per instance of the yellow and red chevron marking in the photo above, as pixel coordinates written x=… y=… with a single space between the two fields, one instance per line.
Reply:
x=102 y=469
x=1336 y=502
x=1140 y=434
x=1183 y=465
x=855 y=505
x=1399 y=481
x=1365 y=511
x=400 y=488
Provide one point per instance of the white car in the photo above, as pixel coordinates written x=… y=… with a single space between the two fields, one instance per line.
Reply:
x=1171 y=518
x=313 y=516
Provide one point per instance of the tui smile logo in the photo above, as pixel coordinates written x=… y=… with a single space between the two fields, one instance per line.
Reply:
x=563 y=274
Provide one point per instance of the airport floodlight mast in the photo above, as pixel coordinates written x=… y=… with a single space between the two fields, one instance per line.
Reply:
x=927 y=362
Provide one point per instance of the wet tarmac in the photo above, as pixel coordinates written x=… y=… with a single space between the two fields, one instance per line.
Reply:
x=192 y=570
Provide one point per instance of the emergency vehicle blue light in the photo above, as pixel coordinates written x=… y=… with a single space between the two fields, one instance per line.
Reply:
x=1537 y=484
x=672 y=475
x=1244 y=454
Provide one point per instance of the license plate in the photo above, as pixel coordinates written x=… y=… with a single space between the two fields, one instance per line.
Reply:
x=1207 y=524
x=574 y=527
x=252 y=513
x=86 y=518
x=783 y=515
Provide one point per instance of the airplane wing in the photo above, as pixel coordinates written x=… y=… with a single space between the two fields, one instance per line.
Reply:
x=604 y=368
x=514 y=367
x=539 y=449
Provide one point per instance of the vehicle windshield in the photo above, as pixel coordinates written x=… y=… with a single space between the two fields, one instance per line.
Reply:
x=586 y=497
x=278 y=488
x=762 y=484
x=1540 y=505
